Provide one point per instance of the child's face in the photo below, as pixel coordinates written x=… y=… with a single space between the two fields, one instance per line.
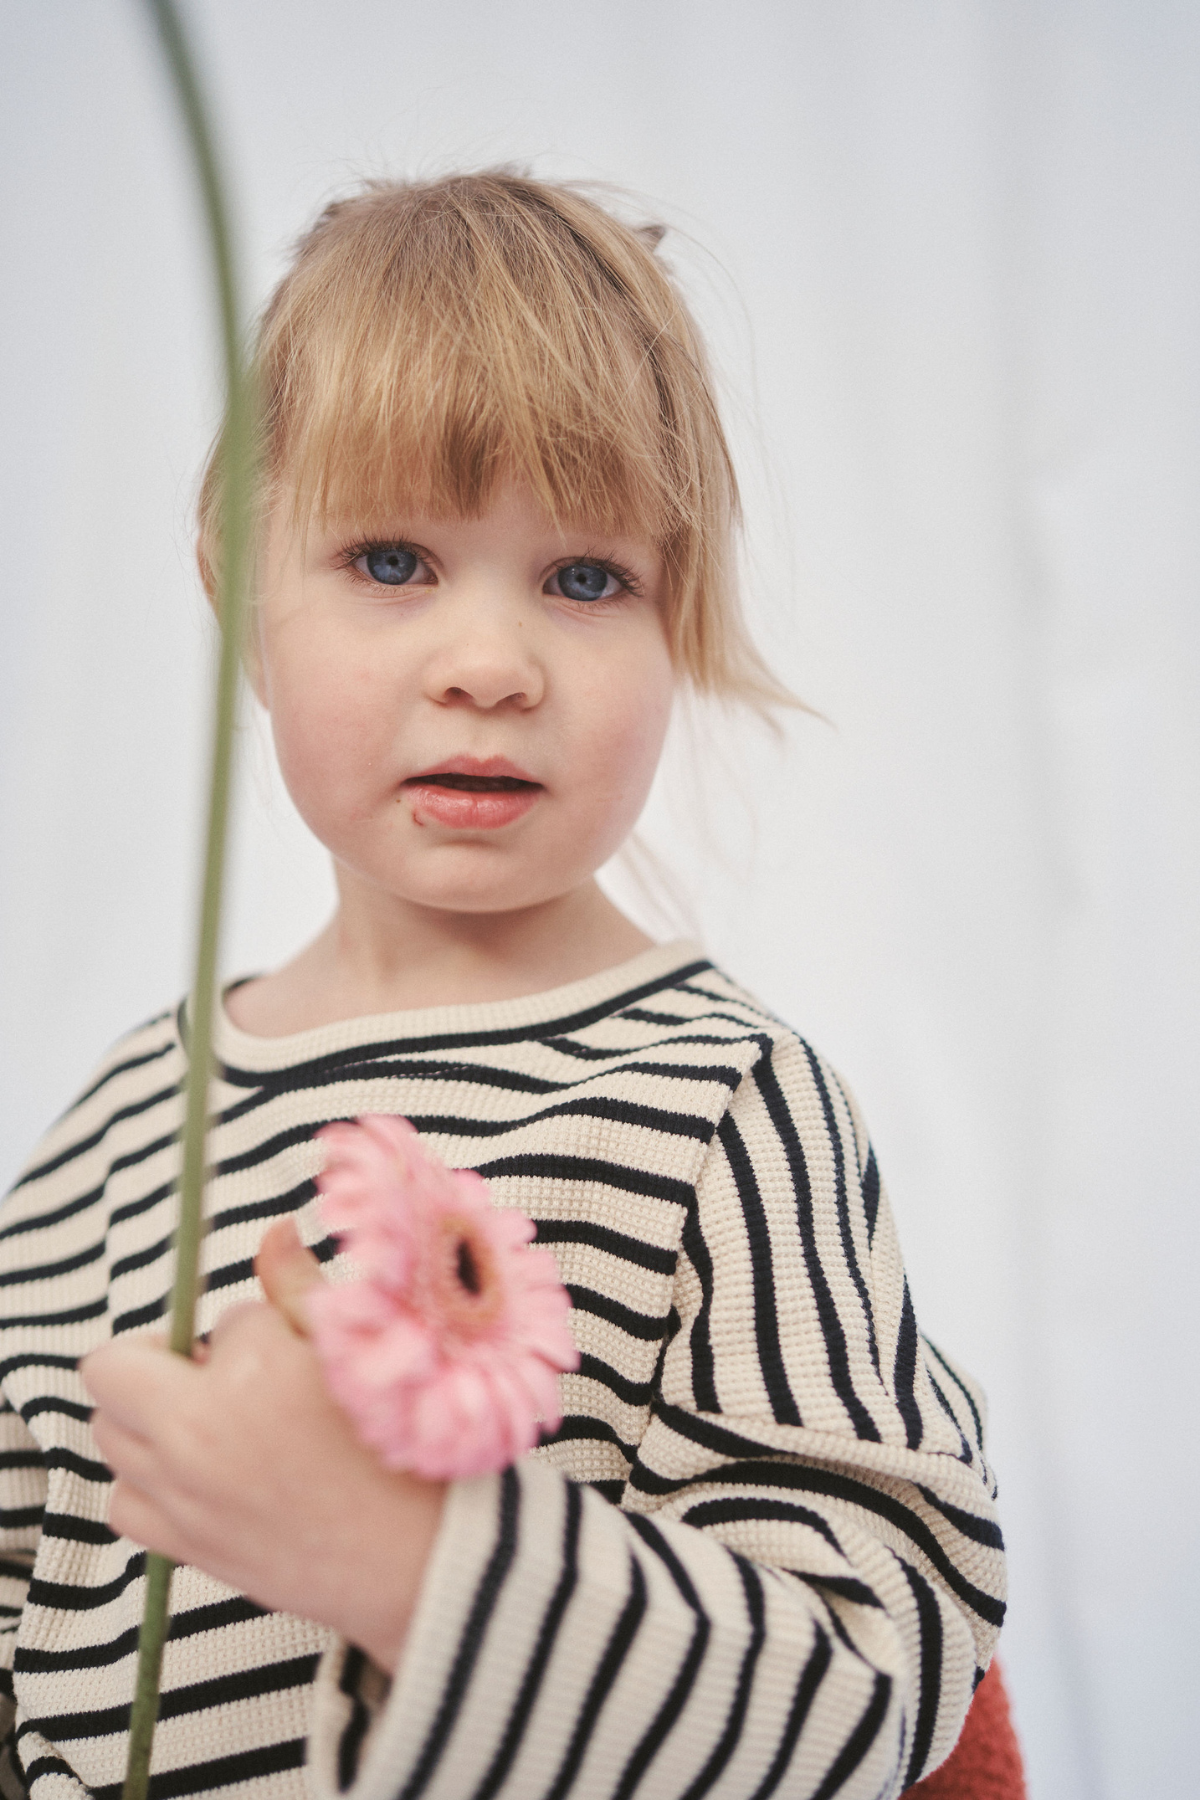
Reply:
x=457 y=717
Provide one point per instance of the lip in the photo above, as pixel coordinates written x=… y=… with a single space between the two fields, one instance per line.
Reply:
x=467 y=809
x=493 y=768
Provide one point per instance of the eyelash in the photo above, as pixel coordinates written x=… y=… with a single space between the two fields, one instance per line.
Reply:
x=626 y=577
x=350 y=556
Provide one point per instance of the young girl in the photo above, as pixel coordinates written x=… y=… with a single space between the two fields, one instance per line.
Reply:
x=759 y=1556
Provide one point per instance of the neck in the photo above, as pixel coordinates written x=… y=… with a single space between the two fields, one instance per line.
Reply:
x=379 y=955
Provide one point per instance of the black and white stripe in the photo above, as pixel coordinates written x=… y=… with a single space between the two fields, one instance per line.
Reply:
x=758 y=1557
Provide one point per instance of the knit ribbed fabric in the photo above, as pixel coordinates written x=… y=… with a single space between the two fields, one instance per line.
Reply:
x=760 y=1554
x=985 y=1764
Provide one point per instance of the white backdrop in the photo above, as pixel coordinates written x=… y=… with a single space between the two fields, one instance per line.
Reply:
x=949 y=257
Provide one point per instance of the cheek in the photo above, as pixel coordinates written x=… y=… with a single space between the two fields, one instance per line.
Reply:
x=627 y=710
x=329 y=719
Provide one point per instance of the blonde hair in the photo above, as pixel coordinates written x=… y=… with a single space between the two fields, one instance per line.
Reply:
x=432 y=340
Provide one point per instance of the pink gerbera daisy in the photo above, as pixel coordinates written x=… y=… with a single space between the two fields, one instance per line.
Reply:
x=446 y=1353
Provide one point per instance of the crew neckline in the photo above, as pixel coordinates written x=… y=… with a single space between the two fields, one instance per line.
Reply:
x=242 y=1049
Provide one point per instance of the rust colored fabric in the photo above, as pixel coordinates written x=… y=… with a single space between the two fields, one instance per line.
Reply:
x=985 y=1764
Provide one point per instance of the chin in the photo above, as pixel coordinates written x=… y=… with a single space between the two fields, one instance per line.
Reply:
x=489 y=891
x=495 y=900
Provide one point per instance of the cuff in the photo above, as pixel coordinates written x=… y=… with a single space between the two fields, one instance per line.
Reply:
x=380 y=1739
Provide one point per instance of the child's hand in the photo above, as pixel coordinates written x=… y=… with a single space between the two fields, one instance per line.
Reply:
x=242 y=1465
x=287 y=1271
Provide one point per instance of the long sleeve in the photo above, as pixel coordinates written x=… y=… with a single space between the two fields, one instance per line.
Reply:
x=803 y=1580
x=22 y=1505
x=757 y=1557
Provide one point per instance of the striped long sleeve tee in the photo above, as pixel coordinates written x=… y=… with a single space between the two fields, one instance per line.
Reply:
x=758 y=1557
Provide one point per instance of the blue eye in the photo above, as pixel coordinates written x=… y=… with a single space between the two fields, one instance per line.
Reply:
x=391 y=563
x=585 y=581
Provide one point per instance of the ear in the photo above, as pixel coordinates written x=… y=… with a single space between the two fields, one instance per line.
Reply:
x=252 y=661
x=208 y=575
x=251 y=650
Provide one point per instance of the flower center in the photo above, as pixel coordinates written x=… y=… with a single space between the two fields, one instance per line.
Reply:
x=468 y=1273
x=469 y=1285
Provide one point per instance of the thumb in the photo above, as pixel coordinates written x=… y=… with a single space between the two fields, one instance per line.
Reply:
x=287 y=1271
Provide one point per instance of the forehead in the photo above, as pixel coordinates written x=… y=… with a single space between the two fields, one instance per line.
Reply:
x=370 y=471
x=510 y=503
x=411 y=393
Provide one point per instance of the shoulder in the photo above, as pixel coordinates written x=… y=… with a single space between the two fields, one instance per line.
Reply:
x=766 y=1106
x=131 y=1092
x=698 y=991
x=698 y=1006
x=784 y=1085
x=692 y=1038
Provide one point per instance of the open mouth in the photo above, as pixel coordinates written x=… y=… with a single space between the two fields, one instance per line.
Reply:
x=483 y=798
x=475 y=784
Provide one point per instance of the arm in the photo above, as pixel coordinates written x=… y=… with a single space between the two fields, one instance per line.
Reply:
x=806 y=1574
x=22 y=1503
x=795 y=1597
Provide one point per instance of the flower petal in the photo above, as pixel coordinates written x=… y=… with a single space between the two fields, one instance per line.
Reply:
x=447 y=1352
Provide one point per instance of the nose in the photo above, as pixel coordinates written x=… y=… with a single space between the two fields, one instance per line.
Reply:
x=486 y=658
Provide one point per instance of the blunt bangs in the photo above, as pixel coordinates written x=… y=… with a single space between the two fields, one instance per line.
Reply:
x=435 y=341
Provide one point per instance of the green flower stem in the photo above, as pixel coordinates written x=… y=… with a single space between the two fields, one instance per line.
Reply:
x=237 y=488
x=144 y=1716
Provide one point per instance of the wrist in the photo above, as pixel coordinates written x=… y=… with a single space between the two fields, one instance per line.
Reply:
x=380 y=1612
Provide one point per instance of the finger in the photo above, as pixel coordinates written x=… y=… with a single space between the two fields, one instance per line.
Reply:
x=130 y=1457
x=132 y=1514
x=288 y=1272
x=157 y=1340
x=247 y=1338
x=136 y=1380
